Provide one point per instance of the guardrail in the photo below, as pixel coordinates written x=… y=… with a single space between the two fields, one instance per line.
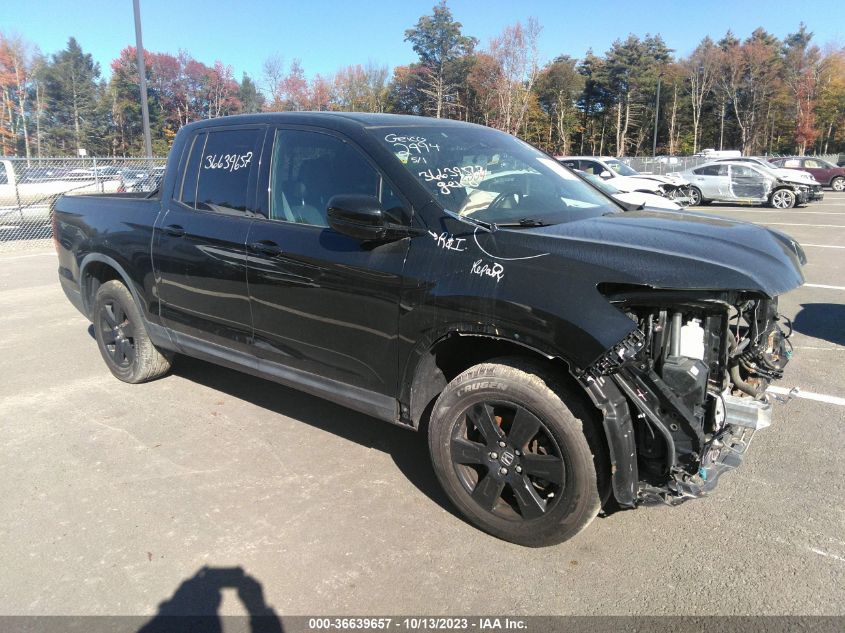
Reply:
x=29 y=188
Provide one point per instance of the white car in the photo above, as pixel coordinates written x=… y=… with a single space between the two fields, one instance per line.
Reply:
x=28 y=200
x=624 y=178
x=638 y=198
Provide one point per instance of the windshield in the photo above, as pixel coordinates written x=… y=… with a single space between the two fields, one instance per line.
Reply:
x=621 y=168
x=486 y=175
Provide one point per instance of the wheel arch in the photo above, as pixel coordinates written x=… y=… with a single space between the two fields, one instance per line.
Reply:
x=95 y=270
x=440 y=360
x=98 y=268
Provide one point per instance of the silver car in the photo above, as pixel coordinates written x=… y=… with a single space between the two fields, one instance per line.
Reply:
x=743 y=182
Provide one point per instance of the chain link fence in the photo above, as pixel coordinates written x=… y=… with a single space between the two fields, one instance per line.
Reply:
x=29 y=188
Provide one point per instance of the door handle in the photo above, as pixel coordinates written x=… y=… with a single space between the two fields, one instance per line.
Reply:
x=265 y=247
x=175 y=230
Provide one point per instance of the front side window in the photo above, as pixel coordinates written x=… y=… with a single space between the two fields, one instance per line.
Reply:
x=220 y=172
x=309 y=168
x=792 y=163
x=491 y=176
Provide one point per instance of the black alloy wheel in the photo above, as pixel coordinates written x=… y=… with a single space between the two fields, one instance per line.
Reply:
x=517 y=452
x=118 y=334
x=507 y=460
x=122 y=336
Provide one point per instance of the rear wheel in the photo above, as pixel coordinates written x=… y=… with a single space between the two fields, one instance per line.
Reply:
x=124 y=344
x=838 y=183
x=509 y=449
x=783 y=199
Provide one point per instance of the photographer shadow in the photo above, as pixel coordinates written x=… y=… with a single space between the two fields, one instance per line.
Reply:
x=195 y=604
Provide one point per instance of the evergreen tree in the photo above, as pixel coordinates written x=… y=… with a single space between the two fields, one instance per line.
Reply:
x=71 y=93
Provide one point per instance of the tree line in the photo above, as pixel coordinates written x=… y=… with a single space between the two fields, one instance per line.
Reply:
x=761 y=94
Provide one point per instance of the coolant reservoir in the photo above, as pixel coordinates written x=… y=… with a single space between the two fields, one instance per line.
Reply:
x=692 y=340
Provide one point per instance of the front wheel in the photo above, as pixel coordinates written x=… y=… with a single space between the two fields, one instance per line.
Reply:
x=838 y=184
x=509 y=448
x=783 y=199
x=695 y=197
x=123 y=341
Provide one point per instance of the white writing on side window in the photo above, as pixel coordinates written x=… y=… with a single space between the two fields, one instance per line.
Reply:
x=227 y=162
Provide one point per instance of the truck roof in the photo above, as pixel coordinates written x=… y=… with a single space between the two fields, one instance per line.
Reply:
x=334 y=119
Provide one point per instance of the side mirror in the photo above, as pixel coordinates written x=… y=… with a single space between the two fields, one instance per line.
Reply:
x=358 y=216
x=606 y=174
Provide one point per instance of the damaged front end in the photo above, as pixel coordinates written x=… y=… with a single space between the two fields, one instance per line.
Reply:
x=694 y=373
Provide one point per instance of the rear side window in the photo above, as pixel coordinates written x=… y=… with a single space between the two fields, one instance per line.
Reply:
x=792 y=163
x=221 y=171
x=188 y=193
x=710 y=170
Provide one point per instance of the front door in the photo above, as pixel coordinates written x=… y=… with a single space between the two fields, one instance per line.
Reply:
x=324 y=303
x=747 y=183
x=200 y=241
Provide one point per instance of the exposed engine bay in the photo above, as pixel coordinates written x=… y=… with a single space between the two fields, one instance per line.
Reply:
x=695 y=373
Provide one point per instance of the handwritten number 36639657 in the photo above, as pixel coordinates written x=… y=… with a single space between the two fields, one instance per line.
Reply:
x=228 y=162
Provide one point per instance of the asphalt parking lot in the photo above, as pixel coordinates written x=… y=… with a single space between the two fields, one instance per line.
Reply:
x=115 y=495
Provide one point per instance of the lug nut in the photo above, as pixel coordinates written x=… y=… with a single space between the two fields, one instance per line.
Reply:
x=517 y=453
x=503 y=471
x=494 y=455
x=502 y=444
x=519 y=469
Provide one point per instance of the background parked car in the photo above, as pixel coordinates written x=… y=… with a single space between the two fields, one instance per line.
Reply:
x=624 y=178
x=139 y=179
x=791 y=175
x=26 y=197
x=637 y=198
x=826 y=173
x=734 y=181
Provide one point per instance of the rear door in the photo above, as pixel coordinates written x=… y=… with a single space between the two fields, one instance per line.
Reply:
x=324 y=303
x=712 y=181
x=199 y=246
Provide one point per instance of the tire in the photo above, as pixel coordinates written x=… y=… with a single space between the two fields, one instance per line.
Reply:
x=123 y=341
x=695 y=197
x=782 y=199
x=509 y=448
x=838 y=184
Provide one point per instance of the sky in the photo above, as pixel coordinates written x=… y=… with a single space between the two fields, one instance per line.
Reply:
x=328 y=34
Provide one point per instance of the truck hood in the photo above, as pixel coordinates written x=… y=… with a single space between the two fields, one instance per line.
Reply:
x=665 y=249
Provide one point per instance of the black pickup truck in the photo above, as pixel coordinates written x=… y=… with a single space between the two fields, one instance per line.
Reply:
x=564 y=353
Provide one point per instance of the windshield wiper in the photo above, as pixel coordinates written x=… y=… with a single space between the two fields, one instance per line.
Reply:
x=490 y=227
x=525 y=222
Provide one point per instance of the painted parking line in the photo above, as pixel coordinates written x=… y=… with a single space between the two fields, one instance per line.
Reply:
x=818 y=226
x=5 y=258
x=823 y=286
x=808 y=395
